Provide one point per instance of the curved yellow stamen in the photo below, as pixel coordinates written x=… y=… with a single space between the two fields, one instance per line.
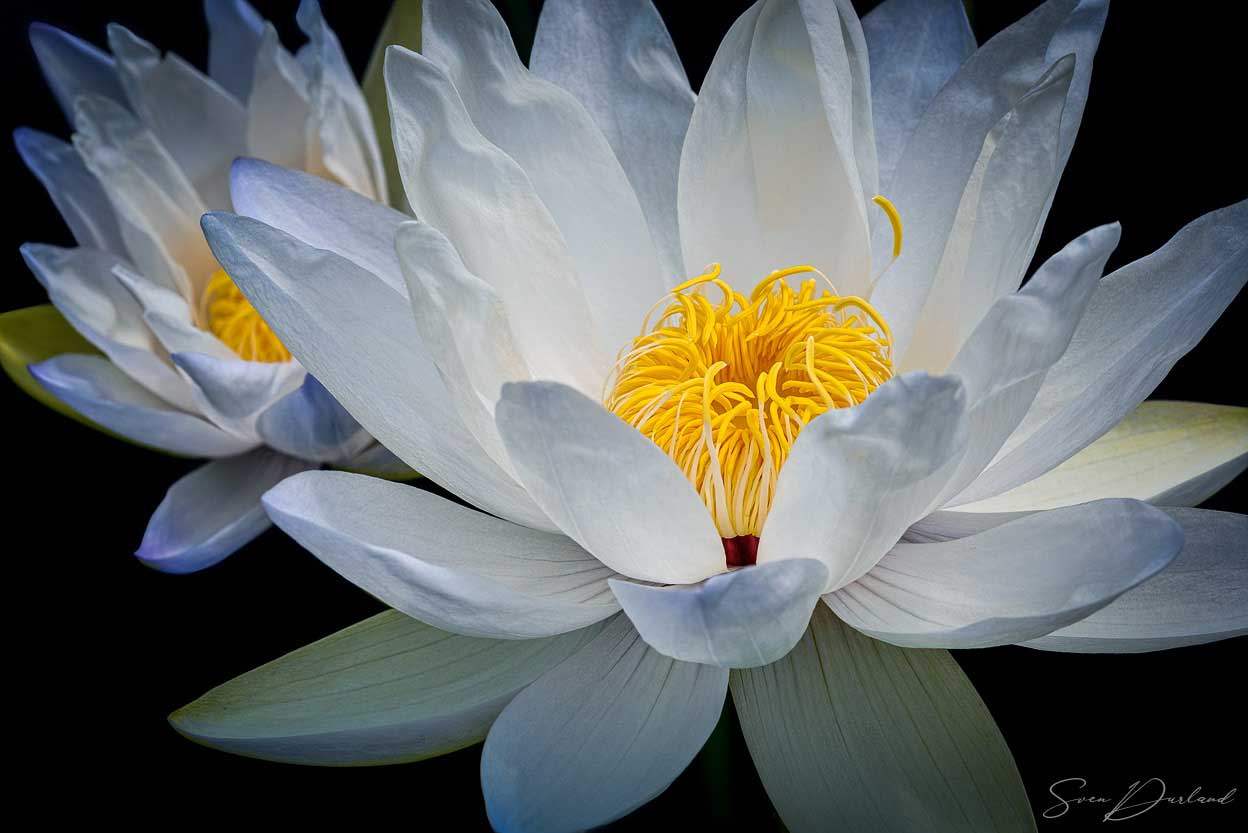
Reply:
x=894 y=220
x=228 y=315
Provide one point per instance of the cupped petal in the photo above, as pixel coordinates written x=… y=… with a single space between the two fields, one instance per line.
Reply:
x=310 y=424
x=942 y=153
x=453 y=567
x=607 y=487
x=1013 y=582
x=563 y=154
x=201 y=125
x=619 y=62
x=358 y=337
x=387 y=690
x=1166 y=453
x=74 y=190
x=1201 y=597
x=747 y=617
x=213 y=511
x=281 y=126
x=234 y=33
x=598 y=735
x=74 y=68
x=849 y=733
x=779 y=161
x=857 y=478
x=478 y=196
x=96 y=388
x=233 y=392
x=1140 y=321
x=915 y=46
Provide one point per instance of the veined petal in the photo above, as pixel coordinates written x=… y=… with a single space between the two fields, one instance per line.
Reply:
x=1013 y=582
x=789 y=82
x=1167 y=453
x=310 y=424
x=213 y=511
x=74 y=190
x=849 y=733
x=235 y=30
x=740 y=619
x=563 y=154
x=858 y=477
x=455 y=568
x=74 y=68
x=1201 y=597
x=358 y=337
x=609 y=488
x=619 y=62
x=597 y=736
x=96 y=388
x=387 y=690
x=1141 y=320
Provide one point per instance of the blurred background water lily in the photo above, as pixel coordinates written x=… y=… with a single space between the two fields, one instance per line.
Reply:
x=754 y=369
x=149 y=339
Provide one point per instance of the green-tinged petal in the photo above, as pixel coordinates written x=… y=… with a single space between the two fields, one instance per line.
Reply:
x=34 y=334
x=1169 y=453
x=402 y=26
x=851 y=734
x=387 y=690
x=379 y=461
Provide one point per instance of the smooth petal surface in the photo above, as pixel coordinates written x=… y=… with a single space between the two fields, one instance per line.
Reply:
x=915 y=46
x=235 y=30
x=311 y=424
x=779 y=153
x=740 y=619
x=358 y=337
x=94 y=387
x=851 y=734
x=455 y=568
x=856 y=478
x=1201 y=597
x=281 y=124
x=235 y=392
x=1167 y=453
x=1013 y=582
x=74 y=190
x=608 y=488
x=74 y=68
x=597 y=736
x=1141 y=320
x=211 y=512
x=387 y=690
x=378 y=461
x=619 y=62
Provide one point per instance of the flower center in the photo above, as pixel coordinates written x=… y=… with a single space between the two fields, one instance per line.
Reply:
x=725 y=387
x=227 y=314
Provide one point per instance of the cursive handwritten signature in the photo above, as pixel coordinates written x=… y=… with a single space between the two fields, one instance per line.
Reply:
x=1139 y=798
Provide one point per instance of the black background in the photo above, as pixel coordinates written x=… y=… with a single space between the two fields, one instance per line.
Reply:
x=99 y=649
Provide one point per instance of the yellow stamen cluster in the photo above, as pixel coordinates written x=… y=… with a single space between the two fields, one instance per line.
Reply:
x=724 y=388
x=227 y=313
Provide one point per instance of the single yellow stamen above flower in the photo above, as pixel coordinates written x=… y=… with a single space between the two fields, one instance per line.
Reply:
x=724 y=387
x=894 y=219
x=227 y=314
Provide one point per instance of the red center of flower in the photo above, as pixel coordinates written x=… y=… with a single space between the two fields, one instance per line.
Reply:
x=741 y=551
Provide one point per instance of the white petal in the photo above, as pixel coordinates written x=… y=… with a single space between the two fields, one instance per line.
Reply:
x=1201 y=597
x=597 y=736
x=856 y=478
x=281 y=127
x=310 y=424
x=320 y=214
x=608 y=488
x=941 y=155
x=77 y=194
x=211 y=512
x=1167 y=453
x=1004 y=360
x=848 y=733
x=915 y=46
x=95 y=388
x=234 y=30
x=1140 y=321
x=1014 y=582
x=234 y=392
x=747 y=617
x=358 y=337
x=201 y=125
x=482 y=201
x=619 y=62
x=453 y=567
x=563 y=154
x=387 y=690
x=74 y=68
x=778 y=155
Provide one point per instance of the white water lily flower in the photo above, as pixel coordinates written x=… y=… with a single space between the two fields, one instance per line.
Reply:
x=759 y=468
x=187 y=364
